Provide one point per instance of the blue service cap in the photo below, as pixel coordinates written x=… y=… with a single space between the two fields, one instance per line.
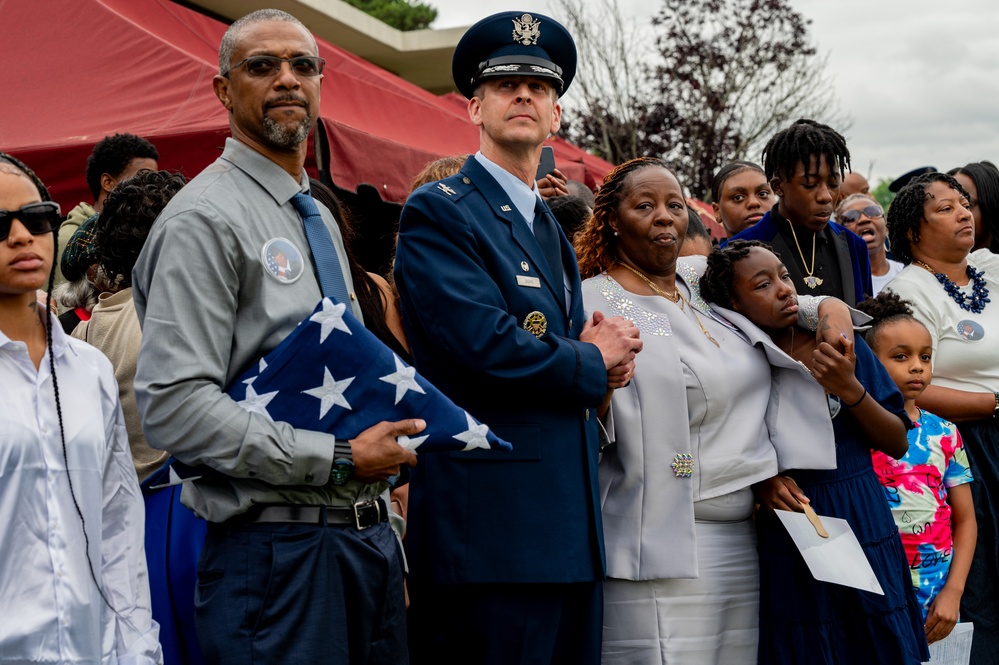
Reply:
x=514 y=43
x=898 y=183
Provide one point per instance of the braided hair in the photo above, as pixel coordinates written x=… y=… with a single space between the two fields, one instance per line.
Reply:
x=885 y=308
x=726 y=172
x=718 y=278
x=906 y=212
x=985 y=175
x=20 y=166
x=129 y=213
x=799 y=143
x=47 y=321
x=596 y=246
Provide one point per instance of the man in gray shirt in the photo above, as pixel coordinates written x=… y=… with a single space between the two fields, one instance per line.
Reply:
x=300 y=564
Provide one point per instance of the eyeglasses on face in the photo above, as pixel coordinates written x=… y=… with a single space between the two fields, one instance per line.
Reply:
x=851 y=216
x=38 y=218
x=264 y=66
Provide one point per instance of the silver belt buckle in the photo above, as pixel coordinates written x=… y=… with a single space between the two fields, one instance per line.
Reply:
x=357 y=513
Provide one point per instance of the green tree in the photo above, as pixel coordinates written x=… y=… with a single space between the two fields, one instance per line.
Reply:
x=400 y=14
x=882 y=195
x=610 y=107
x=725 y=75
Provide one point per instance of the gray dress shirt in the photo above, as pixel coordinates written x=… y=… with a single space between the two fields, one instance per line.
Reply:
x=212 y=301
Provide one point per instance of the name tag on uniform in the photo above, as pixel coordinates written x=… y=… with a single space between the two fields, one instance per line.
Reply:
x=524 y=280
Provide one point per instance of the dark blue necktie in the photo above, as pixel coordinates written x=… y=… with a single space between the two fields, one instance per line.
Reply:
x=547 y=236
x=323 y=250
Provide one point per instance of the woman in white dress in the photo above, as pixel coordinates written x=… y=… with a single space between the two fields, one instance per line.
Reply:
x=691 y=433
x=954 y=292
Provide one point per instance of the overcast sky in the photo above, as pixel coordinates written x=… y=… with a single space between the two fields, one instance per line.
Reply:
x=918 y=78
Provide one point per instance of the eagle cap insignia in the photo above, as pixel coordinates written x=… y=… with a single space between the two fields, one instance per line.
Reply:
x=526 y=30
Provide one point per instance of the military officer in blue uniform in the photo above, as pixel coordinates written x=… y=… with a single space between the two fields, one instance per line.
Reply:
x=505 y=548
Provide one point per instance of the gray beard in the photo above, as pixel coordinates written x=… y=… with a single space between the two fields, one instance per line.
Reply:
x=283 y=137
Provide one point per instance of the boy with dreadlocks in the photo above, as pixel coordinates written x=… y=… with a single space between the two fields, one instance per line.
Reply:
x=805 y=164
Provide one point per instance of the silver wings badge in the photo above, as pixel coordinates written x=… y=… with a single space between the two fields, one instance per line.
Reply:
x=526 y=30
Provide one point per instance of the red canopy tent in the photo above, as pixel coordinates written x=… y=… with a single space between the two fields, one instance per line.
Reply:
x=84 y=69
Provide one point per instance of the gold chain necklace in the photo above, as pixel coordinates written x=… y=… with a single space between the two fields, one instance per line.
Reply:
x=677 y=298
x=698 y=320
x=811 y=281
x=924 y=266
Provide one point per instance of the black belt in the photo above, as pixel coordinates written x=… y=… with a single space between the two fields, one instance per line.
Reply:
x=361 y=515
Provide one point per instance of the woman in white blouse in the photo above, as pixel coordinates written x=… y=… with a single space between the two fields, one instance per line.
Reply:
x=954 y=292
x=73 y=584
x=713 y=408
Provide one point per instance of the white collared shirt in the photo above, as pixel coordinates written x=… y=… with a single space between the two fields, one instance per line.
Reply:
x=524 y=199
x=51 y=610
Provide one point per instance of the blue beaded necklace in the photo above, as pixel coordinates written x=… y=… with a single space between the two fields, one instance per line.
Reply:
x=979 y=292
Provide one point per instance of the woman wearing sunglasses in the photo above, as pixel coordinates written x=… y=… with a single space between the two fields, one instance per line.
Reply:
x=861 y=214
x=73 y=583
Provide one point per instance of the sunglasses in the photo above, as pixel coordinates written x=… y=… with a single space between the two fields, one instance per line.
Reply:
x=851 y=216
x=264 y=66
x=38 y=218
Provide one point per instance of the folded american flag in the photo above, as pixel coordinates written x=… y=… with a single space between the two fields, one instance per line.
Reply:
x=333 y=375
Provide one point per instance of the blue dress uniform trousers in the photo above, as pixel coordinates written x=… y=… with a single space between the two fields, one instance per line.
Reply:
x=301 y=593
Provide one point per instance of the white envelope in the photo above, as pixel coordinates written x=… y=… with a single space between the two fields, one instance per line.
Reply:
x=838 y=559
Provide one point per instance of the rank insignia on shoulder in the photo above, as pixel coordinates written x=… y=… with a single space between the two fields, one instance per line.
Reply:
x=505 y=208
x=536 y=323
x=444 y=188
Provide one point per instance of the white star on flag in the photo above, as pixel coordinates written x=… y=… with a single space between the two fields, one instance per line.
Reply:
x=404 y=379
x=410 y=443
x=330 y=393
x=302 y=367
x=173 y=478
x=263 y=366
x=255 y=403
x=475 y=435
x=330 y=318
